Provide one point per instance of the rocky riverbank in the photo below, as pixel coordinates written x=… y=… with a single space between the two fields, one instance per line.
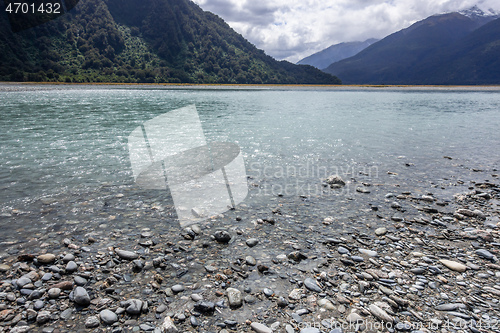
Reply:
x=407 y=262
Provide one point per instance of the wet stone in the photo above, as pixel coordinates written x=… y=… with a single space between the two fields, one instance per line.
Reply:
x=23 y=281
x=342 y=250
x=38 y=305
x=68 y=257
x=453 y=265
x=268 y=292
x=66 y=314
x=282 y=302
x=357 y=259
x=54 y=293
x=47 y=276
x=250 y=261
x=380 y=314
x=43 y=317
x=80 y=281
x=222 y=236
x=81 y=297
x=485 y=254
x=312 y=285
x=380 y=231
x=108 y=317
x=194 y=321
x=133 y=307
x=71 y=267
x=177 y=288
x=450 y=307
x=369 y=253
x=251 y=242
x=310 y=330
x=204 y=307
x=47 y=258
x=260 y=328
x=126 y=255
x=234 y=297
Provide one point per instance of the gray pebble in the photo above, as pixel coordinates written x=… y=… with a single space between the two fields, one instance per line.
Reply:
x=108 y=317
x=312 y=285
x=81 y=297
x=251 y=242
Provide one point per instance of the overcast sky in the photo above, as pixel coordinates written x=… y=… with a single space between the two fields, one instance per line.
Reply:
x=294 y=29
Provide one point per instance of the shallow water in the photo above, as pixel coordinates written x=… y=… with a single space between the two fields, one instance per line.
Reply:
x=70 y=143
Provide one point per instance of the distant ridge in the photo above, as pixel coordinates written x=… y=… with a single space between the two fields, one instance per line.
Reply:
x=449 y=48
x=336 y=52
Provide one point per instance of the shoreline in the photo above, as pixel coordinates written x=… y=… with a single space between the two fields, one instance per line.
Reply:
x=263 y=86
x=404 y=261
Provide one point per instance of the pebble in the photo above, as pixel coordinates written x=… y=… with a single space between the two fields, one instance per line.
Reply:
x=310 y=330
x=71 y=267
x=108 y=317
x=92 y=322
x=250 y=261
x=177 y=288
x=4 y=268
x=168 y=326
x=194 y=322
x=453 y=265
x=126 y=255
x=354 y=317
x=260 y=328
x=79 y=281
x=312 y=285
x=369 y=253
x=485 y=254
x=380 y=314
x=380 y=231
x=295 y=294
x=347 y=275
x=222 y=236
x=43 y=317
x=81 y=297
x=326 y=304
x=234 y=297
x=204 y=307
x=251 y=242
x=47 y=258
x=133 y=307
x=54 y=292
x=450 y=306
x=342 y=250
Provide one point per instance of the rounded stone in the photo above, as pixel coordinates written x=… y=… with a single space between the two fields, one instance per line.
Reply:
x=251 y=242
x=234 y=297
x=92 y=322
x=81 y=297
x=47 y=258
x=108 y=317
x=54 y=293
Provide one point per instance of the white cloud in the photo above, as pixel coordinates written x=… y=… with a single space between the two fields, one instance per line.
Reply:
x=294 y=29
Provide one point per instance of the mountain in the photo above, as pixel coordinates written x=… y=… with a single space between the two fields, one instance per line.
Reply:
x=140 y=41
x=413 y=55
x=472 y=60
x=336 y=52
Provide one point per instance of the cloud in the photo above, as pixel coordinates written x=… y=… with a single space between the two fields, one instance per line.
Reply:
x=294 y=29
